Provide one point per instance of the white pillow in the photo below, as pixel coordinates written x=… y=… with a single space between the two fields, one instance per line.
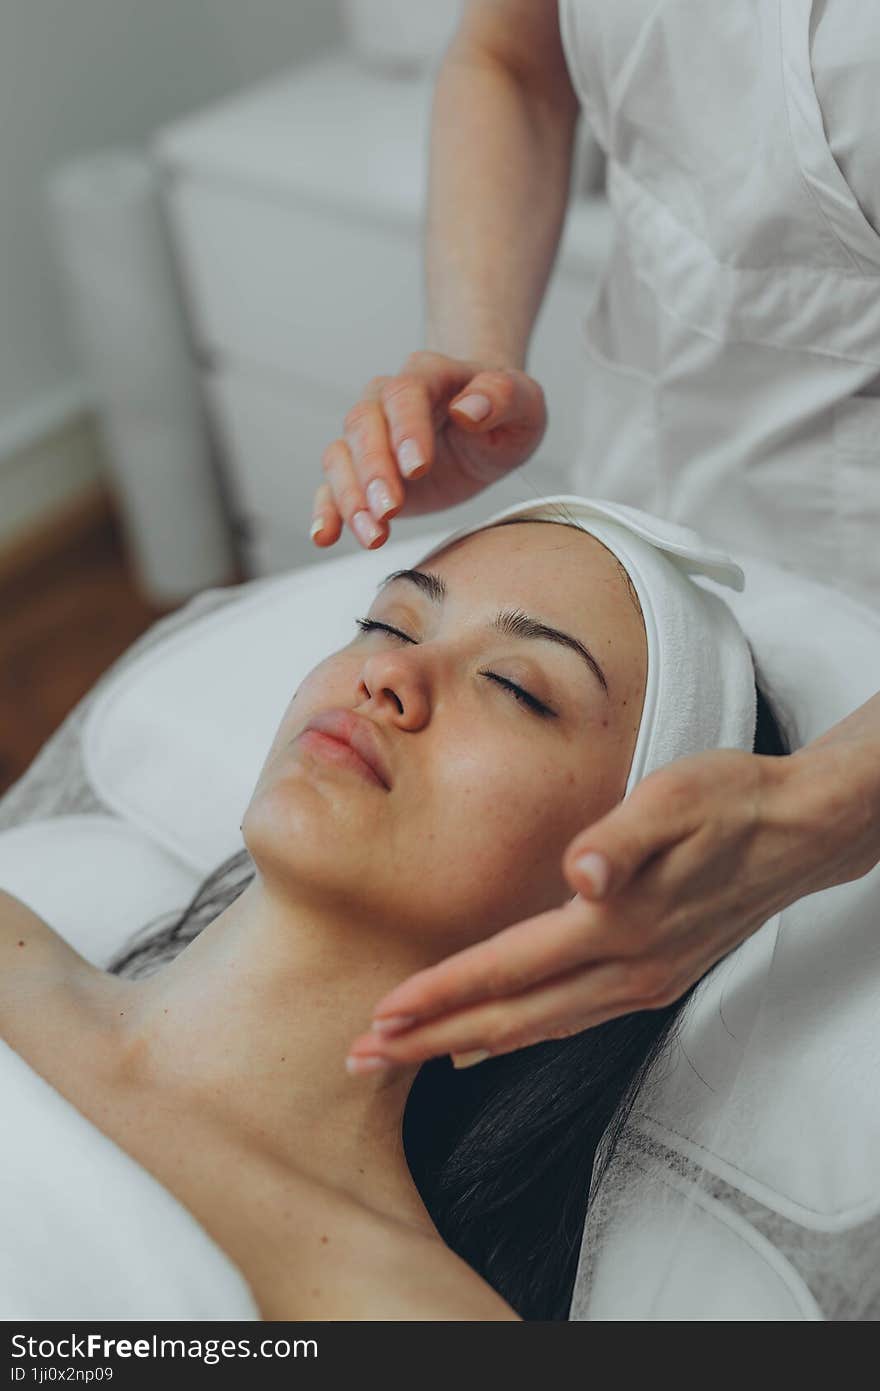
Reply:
x=95 y=879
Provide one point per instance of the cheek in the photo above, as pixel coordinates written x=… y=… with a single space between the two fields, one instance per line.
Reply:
x=280 y=804
x=509 y=811
x=315 y=692
x=536 y=783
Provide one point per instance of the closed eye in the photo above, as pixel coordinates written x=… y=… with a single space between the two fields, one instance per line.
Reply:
x=367 y=625
x=523 y=697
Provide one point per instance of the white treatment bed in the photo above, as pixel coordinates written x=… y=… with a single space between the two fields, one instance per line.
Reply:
x=748 y=1181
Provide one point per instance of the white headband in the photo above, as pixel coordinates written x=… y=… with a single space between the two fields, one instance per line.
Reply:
x=700 y=691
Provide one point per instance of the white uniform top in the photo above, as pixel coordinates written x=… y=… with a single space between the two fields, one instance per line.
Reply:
x=845 y=57
x=734 y=341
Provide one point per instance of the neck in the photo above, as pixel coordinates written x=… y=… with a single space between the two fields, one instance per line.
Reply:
x=253 y=1020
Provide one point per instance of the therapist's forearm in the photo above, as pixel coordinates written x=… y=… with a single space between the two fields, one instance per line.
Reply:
x=838 y=789
x=500 y=174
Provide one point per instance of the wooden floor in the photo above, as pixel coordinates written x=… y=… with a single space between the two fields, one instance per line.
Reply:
x=65 y=616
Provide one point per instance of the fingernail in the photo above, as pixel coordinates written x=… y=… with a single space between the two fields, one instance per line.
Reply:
x=595 y=867
x=476 y=1055
x=317 y=525
x=354 y=1064
x=379 y=498
x=475 y=407
x=392 y=1022
x=365 y=527
x=409 y=457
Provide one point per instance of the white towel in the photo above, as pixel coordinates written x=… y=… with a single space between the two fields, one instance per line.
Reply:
x=700 y=691
x=86 y=1232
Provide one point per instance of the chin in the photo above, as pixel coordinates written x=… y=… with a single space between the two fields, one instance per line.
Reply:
x=301 y=840
x=281 y=822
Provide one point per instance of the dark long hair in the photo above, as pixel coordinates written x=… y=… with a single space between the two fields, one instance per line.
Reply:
x=503 y=1154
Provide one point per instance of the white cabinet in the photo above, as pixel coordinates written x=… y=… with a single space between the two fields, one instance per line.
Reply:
x=296 y=211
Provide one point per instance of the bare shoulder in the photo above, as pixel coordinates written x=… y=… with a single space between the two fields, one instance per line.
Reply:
x=311 y=1250
x=423 y=1279
x=351 y=1261
x=35 y=964
x=448 y=1288
x=26 y=938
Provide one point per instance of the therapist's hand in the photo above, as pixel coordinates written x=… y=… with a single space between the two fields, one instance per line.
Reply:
x=699 y=855
x=429 y=438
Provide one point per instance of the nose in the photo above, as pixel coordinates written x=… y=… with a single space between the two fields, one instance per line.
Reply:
x=396 y=683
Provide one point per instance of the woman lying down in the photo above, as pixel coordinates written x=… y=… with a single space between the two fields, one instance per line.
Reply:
x=213 y=1052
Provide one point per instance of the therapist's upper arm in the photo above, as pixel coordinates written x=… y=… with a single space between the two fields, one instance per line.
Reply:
x=524 y=35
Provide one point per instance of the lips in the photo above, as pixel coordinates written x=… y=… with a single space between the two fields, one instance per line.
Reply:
x=358 y=733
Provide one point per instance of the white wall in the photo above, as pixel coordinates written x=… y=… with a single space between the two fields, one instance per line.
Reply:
x=77 y=75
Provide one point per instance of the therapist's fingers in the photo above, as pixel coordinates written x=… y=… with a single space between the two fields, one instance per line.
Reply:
x=556 y=1009
x=409 y=413
x=662 y=810
x=500 y=397
x=652 y=819
x=375 y=442
x=326 y=517
x=512 y=960
x=390 y=435
x=348 y=497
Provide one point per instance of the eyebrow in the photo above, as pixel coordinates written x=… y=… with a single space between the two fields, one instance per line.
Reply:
x=509 y=622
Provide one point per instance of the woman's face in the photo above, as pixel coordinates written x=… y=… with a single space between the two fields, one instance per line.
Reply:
x=486 y=792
